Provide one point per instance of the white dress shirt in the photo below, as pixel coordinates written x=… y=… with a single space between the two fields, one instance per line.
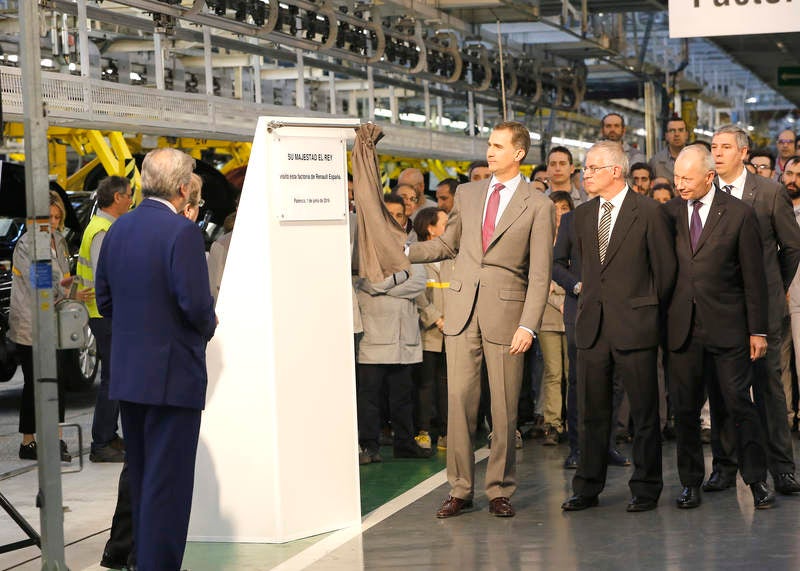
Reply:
x=163 y=201
x=705 y=209
x=738 y=184
x=505 y=195
x=617 y=202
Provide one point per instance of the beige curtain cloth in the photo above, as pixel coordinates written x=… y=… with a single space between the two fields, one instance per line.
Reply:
x=380 y=240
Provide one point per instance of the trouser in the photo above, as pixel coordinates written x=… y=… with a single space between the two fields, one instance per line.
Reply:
x=119 y=546
x=161 y=448
x=637 y=370
x=432 y=405
x=770 y=401
x=106 y=412
x=27 y=405
x=556 y=363
x=572 y=389
x=399 y=388
x=727 y=373
x=465 y=352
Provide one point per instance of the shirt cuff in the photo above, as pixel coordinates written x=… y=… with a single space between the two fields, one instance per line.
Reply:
x=759 y=334
x=528 y=330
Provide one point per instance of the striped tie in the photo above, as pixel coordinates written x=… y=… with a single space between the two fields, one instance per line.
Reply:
x=728 y=188
x=604 y=230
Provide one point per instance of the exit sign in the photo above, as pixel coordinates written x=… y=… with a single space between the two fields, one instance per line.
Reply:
x=788 y=76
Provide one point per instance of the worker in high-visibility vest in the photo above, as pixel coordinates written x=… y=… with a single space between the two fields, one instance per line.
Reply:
x=113 y=200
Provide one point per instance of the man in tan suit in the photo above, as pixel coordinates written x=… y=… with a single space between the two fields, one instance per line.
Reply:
x=500 y=233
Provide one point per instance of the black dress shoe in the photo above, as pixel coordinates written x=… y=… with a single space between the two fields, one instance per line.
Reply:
x=717 y=482
x=571 y=462
x=638 y=504
x=689 y=498
x=615 y=458
x=411 y=451
x=578 y=502
x=763 y=498
x=786 y=484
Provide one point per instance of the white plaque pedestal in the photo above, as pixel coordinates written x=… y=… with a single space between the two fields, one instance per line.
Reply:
x=278 y=453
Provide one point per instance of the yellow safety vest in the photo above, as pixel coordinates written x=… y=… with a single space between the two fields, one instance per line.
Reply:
x=84 y=269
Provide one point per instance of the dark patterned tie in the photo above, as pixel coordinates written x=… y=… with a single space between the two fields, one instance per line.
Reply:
x=696 y=227
x=728 y=188
x=604 y=230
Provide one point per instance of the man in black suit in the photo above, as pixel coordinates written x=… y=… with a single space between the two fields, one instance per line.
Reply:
x=717 y=322
x=628 y=269
x=780 y=235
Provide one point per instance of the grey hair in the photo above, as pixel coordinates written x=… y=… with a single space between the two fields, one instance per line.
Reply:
x=616 y=154
x=195 y=185
x=742 y=140
x=706 y=158
x=164 y=171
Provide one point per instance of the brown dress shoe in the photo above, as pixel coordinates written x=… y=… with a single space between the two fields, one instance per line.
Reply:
x=501 y=507
x=452 y=507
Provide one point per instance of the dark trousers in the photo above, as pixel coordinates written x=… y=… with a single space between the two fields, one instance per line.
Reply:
x=27 y=405
x=432 y=393
x=770 y=402
x=727 y=375
x=106 y=412
x=119 y=547
x=400 y=387
x=161 y=447
x=637 y=369
x=572 y=389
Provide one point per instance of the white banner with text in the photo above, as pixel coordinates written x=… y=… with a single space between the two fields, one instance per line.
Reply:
x=697 y=18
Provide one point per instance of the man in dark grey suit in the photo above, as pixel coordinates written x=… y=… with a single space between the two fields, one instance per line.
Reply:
x=781 y=244
x=717 y=321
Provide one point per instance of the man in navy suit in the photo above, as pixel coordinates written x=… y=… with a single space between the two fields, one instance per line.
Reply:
x=152 y=282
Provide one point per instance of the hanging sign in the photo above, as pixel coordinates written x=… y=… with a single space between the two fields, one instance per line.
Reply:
x=701 y=18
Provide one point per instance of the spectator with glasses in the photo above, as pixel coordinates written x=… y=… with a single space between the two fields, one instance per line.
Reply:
x=786 y=149
x=761 y=162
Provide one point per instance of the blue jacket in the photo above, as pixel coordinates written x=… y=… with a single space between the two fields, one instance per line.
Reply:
x=152 y=282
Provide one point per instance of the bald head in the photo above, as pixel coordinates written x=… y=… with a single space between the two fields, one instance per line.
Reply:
x=694 y=172
x=414 y=178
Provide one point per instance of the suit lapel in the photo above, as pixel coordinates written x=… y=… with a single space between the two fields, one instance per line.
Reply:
x=714 y=215
x=594 y=254
x=749 y=193
x=683 y=226
x=625 y=219
x=480 y=205
x=516 y=206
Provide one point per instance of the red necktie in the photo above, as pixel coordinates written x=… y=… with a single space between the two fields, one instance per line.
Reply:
x=491 y=215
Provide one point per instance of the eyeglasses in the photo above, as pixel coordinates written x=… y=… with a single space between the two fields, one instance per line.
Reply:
x=413 y=199
x=593 y=170
x=760 y=167
x=786 y=141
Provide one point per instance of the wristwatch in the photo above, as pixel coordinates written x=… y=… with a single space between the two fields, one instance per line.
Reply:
x=577 y=289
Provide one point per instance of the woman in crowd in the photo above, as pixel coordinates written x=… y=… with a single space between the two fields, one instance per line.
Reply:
x=20 y=320
x=432 y=390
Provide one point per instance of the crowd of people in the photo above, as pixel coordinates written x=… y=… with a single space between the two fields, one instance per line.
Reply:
x=654 y=307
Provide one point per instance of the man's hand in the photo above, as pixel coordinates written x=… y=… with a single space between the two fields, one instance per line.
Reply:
x=84 y=295
x=758 y=347
x=440 y=324
x=521 y=342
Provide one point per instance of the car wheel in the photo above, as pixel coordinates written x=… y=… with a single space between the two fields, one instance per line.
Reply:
x=81 y=365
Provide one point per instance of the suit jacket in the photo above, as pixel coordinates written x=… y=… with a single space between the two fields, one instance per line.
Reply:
x=780 y=236
x=721 y=284
x=513 y=274
x=567 y=265
x=631 y=290
x=152 y=282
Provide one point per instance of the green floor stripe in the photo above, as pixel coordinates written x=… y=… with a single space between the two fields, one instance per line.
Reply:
x=387 y=480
